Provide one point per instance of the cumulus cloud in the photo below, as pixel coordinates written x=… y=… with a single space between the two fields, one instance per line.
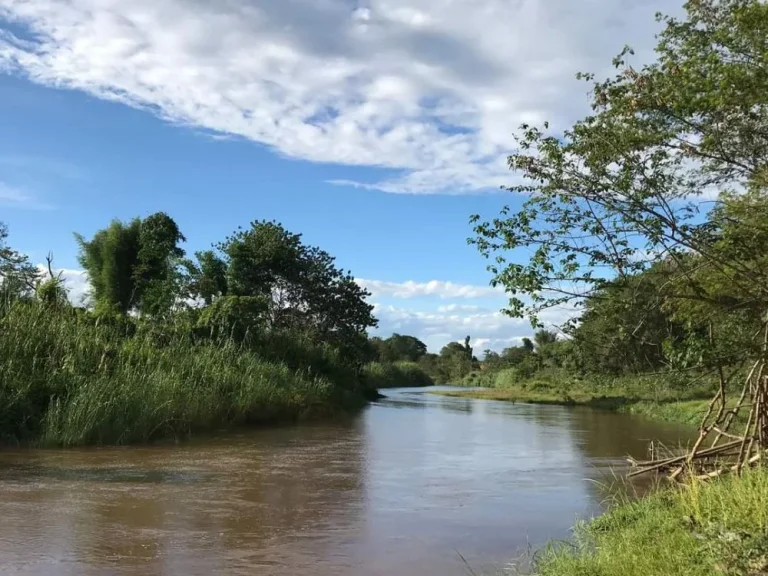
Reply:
x=489 y=329
x=428 y=88
x=75 y=282
x=437 y=288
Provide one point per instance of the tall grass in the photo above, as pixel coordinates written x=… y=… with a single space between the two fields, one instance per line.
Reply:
x=66 y=379
x=697 y=530
x=395 y=375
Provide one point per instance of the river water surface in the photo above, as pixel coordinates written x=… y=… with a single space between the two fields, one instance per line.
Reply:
x=405 y=488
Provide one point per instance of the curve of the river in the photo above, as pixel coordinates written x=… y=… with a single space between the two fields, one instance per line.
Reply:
x=408 y=487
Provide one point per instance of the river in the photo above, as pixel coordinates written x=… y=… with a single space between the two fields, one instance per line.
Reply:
x=408 y=487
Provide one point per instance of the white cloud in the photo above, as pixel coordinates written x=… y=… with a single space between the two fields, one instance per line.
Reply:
x=430 y=88
x=75 y=282
x=437 y=288
x=460 y=308
x=14 y=197
x=489 y=329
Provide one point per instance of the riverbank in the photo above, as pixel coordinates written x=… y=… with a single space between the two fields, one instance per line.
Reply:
x=69 y=379
x=698 y=529
x=668 y=410
x=650 y=396
x=694 y=530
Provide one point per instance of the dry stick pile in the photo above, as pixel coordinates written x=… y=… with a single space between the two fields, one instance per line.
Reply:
x=727 y=452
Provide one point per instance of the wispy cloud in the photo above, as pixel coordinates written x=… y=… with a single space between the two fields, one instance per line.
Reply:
x=15 y=198
x=436 y=288
x=429 y=88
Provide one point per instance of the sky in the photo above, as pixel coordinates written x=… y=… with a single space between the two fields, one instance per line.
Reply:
x=373 y=127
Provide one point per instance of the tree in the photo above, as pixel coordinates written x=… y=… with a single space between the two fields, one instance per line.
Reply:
x=618 y=191
x=528 y=345
x=155 y=272
x=18 y=276
x=400 y=348
x=514 y=355
x=627 y=326
x=544 y=338
x=457 y=359
x=109 y=259
x=132 y=266
x=207 y=278
x=303 y=288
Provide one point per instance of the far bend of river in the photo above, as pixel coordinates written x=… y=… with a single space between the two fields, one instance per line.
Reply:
x=401 y=489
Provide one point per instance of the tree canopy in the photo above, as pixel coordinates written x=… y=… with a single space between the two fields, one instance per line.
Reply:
x=287 y=284
x=657 y=195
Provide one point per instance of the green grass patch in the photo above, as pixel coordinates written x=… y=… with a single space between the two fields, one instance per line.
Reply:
x=652 y=396
x=694 y=530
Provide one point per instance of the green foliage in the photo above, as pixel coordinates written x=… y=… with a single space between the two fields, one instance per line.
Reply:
x=17 y=275
x=234 y=317
x=264 y=329
x=697 y=530
x=544 y=338
x=110 y=259
x=155 y=274
x=207 y=279
x=52 y=293
x=614 y=219
x=67 y=378
x=395 y=375
x=304 y=288
x=399 y=348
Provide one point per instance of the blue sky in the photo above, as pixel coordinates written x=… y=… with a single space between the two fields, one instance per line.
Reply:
x=374 y=128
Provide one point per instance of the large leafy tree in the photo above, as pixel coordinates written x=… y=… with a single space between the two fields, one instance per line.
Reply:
x=399 y=347
x=299 y=286
x=625 y=326
x=156 y=275
x=207 y=277
x=629 y=186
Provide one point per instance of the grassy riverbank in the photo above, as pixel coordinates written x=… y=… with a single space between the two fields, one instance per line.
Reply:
x=68 y=379
x=696 y=530
x=652 y=396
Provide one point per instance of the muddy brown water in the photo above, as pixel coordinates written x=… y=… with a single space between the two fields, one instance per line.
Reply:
x=408 y=487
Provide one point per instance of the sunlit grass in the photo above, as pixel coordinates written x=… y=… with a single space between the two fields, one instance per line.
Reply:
x=696 y=530
x=651 y=396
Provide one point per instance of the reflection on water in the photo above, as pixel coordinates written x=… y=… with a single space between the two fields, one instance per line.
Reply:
x=401 y=489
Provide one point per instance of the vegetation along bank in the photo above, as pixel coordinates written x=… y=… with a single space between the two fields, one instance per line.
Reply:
x=645 y=222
